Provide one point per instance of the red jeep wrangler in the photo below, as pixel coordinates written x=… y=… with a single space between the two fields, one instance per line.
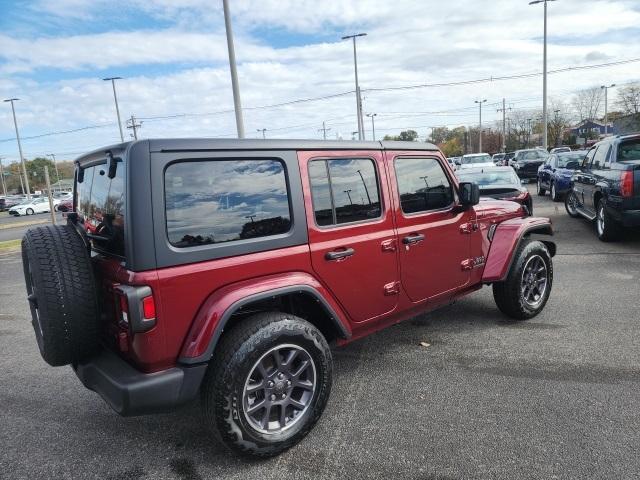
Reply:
x=226 y=267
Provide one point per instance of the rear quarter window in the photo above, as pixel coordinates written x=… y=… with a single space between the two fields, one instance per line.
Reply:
x=217 y=201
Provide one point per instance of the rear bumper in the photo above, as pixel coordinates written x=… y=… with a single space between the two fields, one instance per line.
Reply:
x=628 y=218
x=130 y=392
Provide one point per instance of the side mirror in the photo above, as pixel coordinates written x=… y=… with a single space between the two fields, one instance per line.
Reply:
x=469 y=194
x=457 y=162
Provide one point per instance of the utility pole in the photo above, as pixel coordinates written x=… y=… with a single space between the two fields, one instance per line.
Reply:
x=606 y=106
x=134 y=126
x=324 y=130
x=373 y=124
x=24 y=167
x=504 y=125
x=55 y=165
x=528 y=132
x=544 y=75
x=4 y=185
x=358 y=97
x=49 y=194
x=237 y=105
x=263 y=130
x=115 y=98
x=480 y=102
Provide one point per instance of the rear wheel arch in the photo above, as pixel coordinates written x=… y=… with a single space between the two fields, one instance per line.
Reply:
x=302 y=301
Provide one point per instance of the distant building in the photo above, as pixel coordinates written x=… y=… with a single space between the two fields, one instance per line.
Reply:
x=64 y=185
x=590 y=128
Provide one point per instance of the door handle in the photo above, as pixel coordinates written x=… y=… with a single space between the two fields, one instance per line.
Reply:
x=413 y=238
x=339 y=254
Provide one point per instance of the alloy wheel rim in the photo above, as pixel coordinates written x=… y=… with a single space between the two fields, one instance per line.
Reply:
x=279 y=389
x=32 y=297
x=534 y=282
x=572 y=202
x=553 y=190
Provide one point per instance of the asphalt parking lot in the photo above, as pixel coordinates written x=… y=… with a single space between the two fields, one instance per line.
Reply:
x=555 y=397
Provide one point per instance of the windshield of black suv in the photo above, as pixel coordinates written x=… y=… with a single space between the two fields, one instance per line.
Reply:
x=468 y=159
x=570 y=160
x=101 y=207
x=531 y=155
x=491 y=178
x=629 y=150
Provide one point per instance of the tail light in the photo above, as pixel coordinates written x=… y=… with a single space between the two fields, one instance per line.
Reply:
x=136 y=308
x=626 y=183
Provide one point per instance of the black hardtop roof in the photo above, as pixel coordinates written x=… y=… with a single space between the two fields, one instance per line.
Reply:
x=205 y=144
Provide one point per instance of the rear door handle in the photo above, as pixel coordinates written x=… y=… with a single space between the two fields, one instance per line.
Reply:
x=339 y=254
x=412 y=239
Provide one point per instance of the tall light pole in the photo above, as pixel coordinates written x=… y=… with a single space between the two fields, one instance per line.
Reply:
x=606 y=106
x=480 y=102
x=115 y=98
x=372 y=116
x=24 y=167
x=358 y=97
x=237 y=105
x=544 y=75
x=263 y=130
x=55 y=165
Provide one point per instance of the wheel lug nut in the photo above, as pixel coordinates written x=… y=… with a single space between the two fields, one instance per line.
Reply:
x=283 y=396
x=270 y=384
x=288 y=383
x=281 y=375
x=273 y=397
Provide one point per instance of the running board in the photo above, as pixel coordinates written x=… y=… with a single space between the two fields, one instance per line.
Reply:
x=586 y=214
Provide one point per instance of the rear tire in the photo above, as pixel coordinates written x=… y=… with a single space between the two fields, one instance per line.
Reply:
x=525 y=291
x=252 y=397
x=62 y=294
x=541 y=191
x=29 y=211
x=607 y=228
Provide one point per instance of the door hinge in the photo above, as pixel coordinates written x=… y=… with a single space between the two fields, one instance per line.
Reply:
x=469 y=227
x=392 y=288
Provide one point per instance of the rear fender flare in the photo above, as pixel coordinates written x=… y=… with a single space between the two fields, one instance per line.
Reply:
x=215 y=312
x=506 y=240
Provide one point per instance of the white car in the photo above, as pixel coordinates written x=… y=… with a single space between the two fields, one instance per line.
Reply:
x=33 y=206
x=474 y=160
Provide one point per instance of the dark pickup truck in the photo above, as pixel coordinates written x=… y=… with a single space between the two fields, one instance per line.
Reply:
x=606 y=187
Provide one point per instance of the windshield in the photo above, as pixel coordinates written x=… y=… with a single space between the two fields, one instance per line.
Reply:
x=572 y=160
x=629 y=150
x=101 y=206
x=531 y=155
x=486 y=179
x=467 y=159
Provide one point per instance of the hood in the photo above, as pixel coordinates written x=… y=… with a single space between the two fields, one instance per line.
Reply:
x=489 y=208
x=565 y=171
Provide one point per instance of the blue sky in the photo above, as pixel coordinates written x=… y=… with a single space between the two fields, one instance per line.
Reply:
x=172 y=55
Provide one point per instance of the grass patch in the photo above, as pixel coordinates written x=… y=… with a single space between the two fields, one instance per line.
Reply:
x=10 y=246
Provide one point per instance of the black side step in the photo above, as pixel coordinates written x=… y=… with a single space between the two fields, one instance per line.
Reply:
x=586 y=214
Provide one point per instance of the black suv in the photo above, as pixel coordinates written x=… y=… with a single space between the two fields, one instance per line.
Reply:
x=526 y=162
x=606 y=187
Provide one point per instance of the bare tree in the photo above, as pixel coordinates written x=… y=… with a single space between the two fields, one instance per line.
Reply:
x=629 y=99
x=521 y=126
x=558 y=122
x=587 y=103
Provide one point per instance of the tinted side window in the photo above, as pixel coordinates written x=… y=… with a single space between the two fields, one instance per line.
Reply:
x=422 y=185
x=215 y=201
x=344 y=190
x=589 y=157
x=600 y=157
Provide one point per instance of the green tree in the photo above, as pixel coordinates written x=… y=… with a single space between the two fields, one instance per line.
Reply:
x=452 y=147
x=405 y=136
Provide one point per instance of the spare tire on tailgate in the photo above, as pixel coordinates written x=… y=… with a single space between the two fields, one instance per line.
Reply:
x=62 y=293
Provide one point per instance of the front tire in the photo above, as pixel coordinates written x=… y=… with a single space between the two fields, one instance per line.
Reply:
x=268 y=384
x=541 y=190
x=607 y=228
x=555 y=196
x=525 y=291
x=29 y=211
x=571 y=204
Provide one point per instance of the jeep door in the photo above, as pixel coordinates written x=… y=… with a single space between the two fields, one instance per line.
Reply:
x=351 y=232
x=433 y=232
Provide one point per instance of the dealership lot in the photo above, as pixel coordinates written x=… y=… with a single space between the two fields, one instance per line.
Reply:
x=554 y=397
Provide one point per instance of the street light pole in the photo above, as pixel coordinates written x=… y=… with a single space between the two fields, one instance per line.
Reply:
x=263 y=130
x=606 y=106
x=480 y=102
x=237 y=105
x=373 y=124
x=358 y=97
x=115 y=98
x=544 y=75
x=24 y=167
